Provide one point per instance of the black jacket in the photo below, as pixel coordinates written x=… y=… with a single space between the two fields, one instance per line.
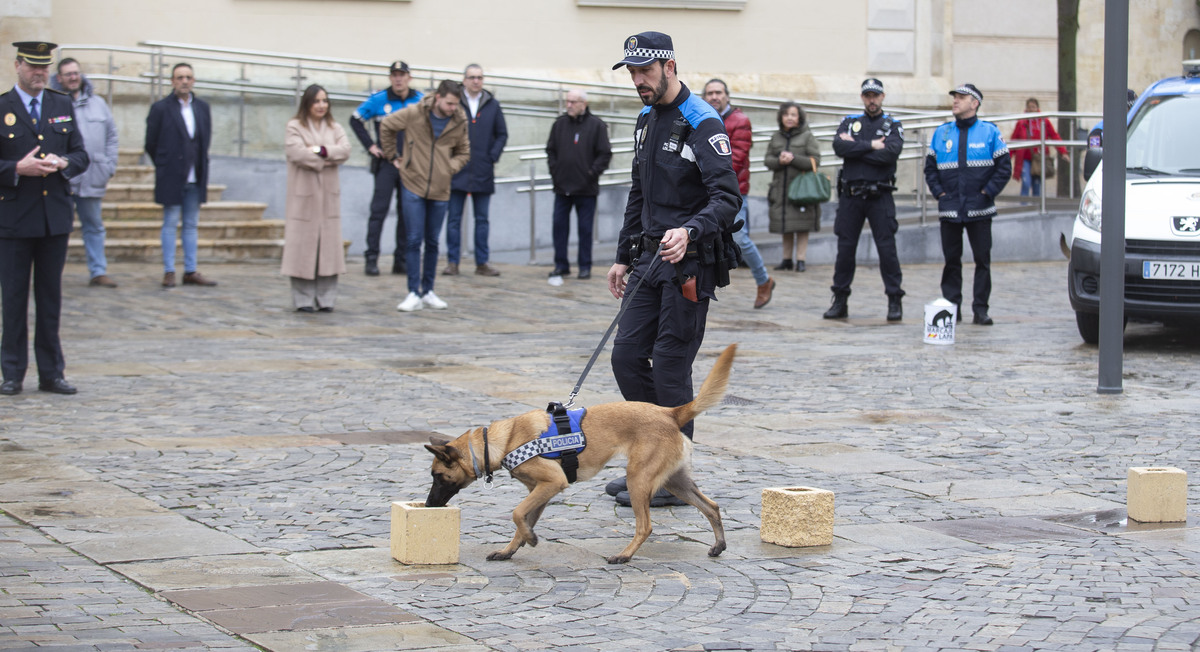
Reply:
x=172 y=152
x=488 y=134
x=35 y=207
x=578 y=152
x=861 y=162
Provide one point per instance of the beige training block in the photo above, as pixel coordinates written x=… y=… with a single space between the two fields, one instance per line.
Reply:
x=424 y=535
x=797 y=516
x=1156 y=494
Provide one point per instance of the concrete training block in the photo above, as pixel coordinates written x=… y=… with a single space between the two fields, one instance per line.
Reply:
x=424 y=535
x=1156 y=494
x=797 y=516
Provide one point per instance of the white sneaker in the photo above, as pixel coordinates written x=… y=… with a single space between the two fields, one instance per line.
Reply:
x=411 y=302
x=430 y=299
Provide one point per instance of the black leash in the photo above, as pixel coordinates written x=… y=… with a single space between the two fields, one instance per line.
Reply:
x=612 y=326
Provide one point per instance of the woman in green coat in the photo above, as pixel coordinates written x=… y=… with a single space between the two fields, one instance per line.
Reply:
x=793 y=149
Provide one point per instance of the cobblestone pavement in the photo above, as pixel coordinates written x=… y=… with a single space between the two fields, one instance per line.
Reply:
x=223 y=478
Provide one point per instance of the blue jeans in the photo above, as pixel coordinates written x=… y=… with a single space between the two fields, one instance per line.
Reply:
x=585 y=211
x=1030 y=182
x=458 y=200
x=749 y=249
x=423 y=223
x=88 y=209
x=190 y=212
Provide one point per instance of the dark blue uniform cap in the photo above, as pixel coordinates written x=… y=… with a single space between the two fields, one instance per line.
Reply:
x=642 y=49
x=36 y=53
x=968 y=89
x=872 y=85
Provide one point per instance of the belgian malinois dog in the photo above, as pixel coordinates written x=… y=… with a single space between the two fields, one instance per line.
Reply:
x=658 y=454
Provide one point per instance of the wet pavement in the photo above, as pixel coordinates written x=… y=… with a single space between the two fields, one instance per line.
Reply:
x=223 y=478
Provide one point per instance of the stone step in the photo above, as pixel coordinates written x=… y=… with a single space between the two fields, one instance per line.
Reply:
x=150 y=250
x=209 y=230
x=133 y=174
x=144 y=192
x=126 y=157
x=222 y=211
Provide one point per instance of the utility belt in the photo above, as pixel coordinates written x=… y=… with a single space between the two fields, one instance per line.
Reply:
x=865 y=189
x=649 y=243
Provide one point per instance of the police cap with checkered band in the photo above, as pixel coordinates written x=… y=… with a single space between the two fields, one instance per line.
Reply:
x=645 y=48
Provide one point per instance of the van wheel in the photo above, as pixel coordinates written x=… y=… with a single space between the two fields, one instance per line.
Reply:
x=1089 y=326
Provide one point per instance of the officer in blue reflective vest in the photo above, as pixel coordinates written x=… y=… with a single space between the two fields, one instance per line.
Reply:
x=966 y=166
x=387 y=177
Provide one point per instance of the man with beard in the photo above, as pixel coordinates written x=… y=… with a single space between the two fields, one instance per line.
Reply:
x=870 y=144
x=683 y=197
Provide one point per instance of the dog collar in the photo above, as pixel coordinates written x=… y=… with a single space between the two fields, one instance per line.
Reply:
x=487 y=466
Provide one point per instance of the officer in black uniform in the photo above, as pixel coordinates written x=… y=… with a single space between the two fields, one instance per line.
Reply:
x=684 y=196
x=869 y=143
x=41 y=148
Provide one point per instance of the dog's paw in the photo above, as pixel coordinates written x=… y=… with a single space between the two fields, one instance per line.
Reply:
x=716 y=550
x=532 y=540
x=618 y=559
x=499 y=555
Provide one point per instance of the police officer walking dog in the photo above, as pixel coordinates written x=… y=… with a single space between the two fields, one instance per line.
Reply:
x=965 y=180
x=684 y=197
x=869 y=143
x=41 y=149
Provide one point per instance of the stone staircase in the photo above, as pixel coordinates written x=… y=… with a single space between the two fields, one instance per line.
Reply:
x=229 y=230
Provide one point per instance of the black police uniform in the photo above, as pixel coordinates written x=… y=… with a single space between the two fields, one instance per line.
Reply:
x=865 y=193
x=35 y=223
x=682 y=177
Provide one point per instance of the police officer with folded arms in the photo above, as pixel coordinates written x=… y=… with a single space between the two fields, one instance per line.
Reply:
x=684 y=196
x=870 y=143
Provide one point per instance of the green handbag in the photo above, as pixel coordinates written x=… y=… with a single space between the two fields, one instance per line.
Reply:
x=810 y=188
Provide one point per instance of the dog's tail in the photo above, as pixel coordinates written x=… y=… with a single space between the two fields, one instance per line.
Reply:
x=713 y=389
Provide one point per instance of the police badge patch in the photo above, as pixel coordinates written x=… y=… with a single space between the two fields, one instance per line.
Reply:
x=720 y=144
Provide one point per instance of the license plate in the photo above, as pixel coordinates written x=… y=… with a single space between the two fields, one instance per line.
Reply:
x=1174 y=271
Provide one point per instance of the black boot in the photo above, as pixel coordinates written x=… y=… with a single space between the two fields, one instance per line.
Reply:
x=372 y=266
x=895 y=312
x=398 y=264
x=785 y=265
x=838 y=309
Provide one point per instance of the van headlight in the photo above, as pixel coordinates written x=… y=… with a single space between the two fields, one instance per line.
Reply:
x=1089 y=210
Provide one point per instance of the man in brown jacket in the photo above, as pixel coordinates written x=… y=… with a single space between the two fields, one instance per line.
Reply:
x=436 y=146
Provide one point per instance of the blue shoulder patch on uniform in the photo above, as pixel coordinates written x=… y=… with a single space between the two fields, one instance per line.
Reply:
x=644 y=111
x=696 y=110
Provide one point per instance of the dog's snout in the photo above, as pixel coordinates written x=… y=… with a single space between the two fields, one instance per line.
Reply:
x=440 y=493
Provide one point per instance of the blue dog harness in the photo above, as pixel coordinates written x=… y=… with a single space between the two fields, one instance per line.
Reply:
x=564 y=441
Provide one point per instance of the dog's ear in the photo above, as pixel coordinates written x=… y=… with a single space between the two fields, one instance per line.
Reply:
x=447 y=454
x=439 y=440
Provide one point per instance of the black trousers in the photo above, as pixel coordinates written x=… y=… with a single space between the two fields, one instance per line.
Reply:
x=387 y=185
x=585 y=211
x=979 y=234
x=657 y=340
x=880 y=212
x=40 y=260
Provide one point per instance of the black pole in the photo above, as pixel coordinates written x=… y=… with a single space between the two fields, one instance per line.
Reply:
x=1112 y=207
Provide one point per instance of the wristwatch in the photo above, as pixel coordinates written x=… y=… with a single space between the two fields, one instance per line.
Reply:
x=691 y=231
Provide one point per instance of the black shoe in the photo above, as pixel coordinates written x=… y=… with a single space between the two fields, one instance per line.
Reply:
x=561 y=271
x=838 y=309
x=584 y=274
x=306 y=309
x=799 y=265
x=399 y=266
x=895 y=311
x=372 y=267
x=10 y=387
x=57 y=386
x=615 y=487
x=662 y=498
x=786 y=264
x=958 y=314
x=981 y=318
x=326 y=308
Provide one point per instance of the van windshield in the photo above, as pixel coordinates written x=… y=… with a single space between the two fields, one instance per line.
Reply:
x=1163 y=136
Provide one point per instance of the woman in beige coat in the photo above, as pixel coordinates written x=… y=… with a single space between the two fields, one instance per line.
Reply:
x=313 y=253
x=792 y=150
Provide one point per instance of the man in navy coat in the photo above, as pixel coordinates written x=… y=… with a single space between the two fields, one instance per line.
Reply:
x=40 y=150
x=178 y=131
